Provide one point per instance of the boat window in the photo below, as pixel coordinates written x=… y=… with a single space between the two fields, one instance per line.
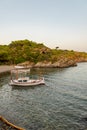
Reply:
x=19 y=80
x=25 y=80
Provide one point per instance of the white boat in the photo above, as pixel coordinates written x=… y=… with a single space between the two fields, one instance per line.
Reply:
x=26 y=82
x=19 y=78
x=19 y=67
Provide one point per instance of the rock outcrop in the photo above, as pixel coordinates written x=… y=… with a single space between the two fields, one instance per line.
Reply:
x=62 y=63
x=81 y=59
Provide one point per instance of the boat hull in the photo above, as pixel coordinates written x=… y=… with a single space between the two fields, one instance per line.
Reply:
x=28 y=83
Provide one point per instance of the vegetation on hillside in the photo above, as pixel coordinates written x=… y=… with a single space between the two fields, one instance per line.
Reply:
x=25 y=50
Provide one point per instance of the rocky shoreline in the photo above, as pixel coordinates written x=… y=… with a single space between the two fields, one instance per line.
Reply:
x=62 y=63
x=59 y=64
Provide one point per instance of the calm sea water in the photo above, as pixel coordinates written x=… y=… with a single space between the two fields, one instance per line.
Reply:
x=61 y=104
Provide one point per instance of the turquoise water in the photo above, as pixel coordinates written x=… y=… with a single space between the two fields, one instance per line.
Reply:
x=61 y=104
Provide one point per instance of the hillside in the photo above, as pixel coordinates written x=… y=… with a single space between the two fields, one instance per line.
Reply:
x=38 y=55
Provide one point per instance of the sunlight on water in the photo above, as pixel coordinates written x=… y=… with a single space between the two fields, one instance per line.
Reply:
x=61 y=104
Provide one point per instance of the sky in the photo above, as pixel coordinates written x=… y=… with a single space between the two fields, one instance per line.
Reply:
x=61 y=23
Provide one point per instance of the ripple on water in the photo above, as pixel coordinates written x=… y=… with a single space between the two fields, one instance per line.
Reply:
x=61 y=104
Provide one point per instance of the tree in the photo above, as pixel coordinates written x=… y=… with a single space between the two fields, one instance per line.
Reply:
x=57 y=47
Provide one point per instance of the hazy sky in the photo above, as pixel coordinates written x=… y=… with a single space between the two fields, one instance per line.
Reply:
x=60 y=23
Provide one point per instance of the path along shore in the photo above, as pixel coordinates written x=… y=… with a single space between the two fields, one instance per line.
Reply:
x=5 y=68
